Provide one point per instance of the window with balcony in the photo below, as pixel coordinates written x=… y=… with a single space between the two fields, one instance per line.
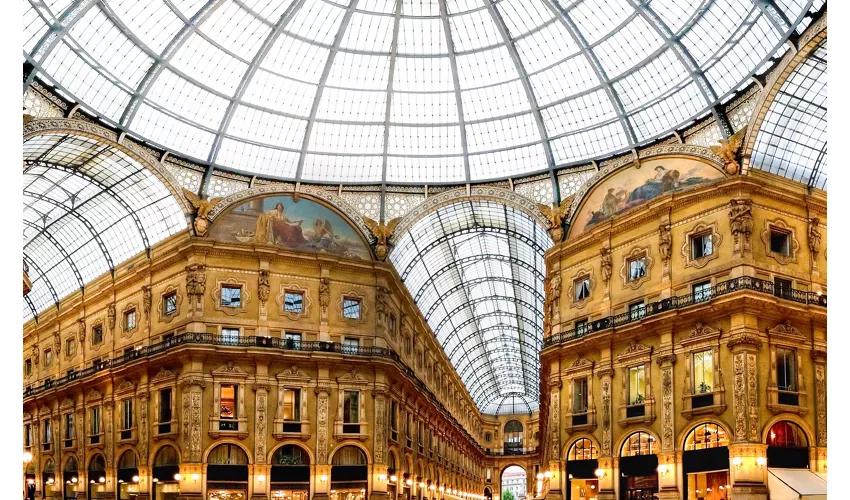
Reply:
x=351 y=308
x=231 y=296
x=293 y=302
x=165 y=414
x=701 y=245
x=702 y=291
x=351 y=412
x=169 y=303
x=782 y=287
x=703 y=379
x=637 y=391
x=636 y=311
x=230 y=336
x=292 y=410
x=350 y=345
x=513 y=433
x=227 y=411
x=292 y=340
x=786 y=376
x=582 y=327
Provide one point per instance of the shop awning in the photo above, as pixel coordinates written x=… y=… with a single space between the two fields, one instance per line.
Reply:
x=795 y=484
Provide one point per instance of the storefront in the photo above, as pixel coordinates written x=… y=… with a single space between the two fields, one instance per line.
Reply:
x=227 y=473
x=638 y=467
x=582 y=483
x=787 y=446
x=349 y=474
x=290 y=475
x=70 y=478
x=29 y=481
x=128 y=476
x=166 y=474
x=50 y=487
x=392 y=478
x=97 y=478
x=705 y=463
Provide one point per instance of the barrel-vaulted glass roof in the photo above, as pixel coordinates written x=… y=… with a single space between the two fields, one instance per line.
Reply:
x=402 y=91
x=88 y=207
x=791 y=140
x=476 y=271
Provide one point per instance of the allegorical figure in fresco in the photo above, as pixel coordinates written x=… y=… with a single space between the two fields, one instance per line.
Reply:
x=274 y=227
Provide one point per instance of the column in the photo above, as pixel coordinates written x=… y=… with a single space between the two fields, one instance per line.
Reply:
x=606 y=461
x=379 y=450
x=323 y=470
x=108 y=424
x=261 y=470
x=819 y=460
x=668 y=478
x=143 y=426
x=191 y=468
x=747 y=454
x=555 y=462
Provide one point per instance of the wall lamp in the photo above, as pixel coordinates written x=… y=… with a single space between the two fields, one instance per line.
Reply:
x=737 y=462
x=547 y=474
x=409 y=482
x=393 y=478
x=761 y=462
x=539 y=476
x=600 y=473
x=663 y=470
x=177 y=477
x=323 y=478
x=27 y=457
x=382 y=477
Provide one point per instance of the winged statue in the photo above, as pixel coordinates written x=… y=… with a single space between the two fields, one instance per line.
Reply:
x=556 y=215
x=728 y=151
x=202 y=209
x=382 y=233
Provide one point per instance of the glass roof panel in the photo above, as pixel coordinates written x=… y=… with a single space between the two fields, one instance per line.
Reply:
x=168 y=71
x=88 y=207
x=467 y=267
x=792 y=138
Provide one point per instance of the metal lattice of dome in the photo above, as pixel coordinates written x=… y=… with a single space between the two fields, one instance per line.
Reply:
x=404 y=91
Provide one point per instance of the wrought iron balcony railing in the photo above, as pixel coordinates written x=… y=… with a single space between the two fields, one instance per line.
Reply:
x=682 y=301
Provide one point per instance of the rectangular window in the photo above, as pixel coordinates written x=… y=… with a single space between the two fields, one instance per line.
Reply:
x=637 y=384
x=231 y=296
x=293 y=302
x=28 y=367
x=130 y=320
x=351 y=308
x=127 y=414
x=637 y=310
x=350 y=346
x=392 y=325
x=703 y=371
x=48 y=357
x=351 y=412
x=582 y=288
x=786 y=370
x=582 y=327
x=28 y=435
x=94 y=420
x=71 y=346
x=580 y=395
x=292 y=340
x=394 y=420
x=230 y=336
x=228 y=401
x=780 y=242
x=169 y=303
x=48 y=432
x=781 y=287
x=637 y=268
x=165 y=411
x=97 y=334
x=488 y=437
x=702 y=291
x=292 y=404
x=69 y=426
x=701 y=245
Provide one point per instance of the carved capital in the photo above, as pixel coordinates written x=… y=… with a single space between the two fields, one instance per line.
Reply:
x=665 y=359
x=609 y=372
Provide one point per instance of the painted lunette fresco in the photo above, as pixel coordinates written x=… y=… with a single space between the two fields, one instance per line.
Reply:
x=280 y=220
x=630 y=187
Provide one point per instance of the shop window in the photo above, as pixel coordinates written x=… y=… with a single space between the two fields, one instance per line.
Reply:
x=583 y=449
x=706 y=436
x=165 y=414
x=637 y=311
x=351 y=308
x=96 y=335
x=169 y=303
x=582 y=288
x=129 y=320
x=231 y=296
x=702 y=291
x=227 y=412
x=701 y=246
x=637 y=268
x=230 y=336
x=639 y=443
x=780 y=242
x=786 y=376
x=637 y=391
x=293 y=302
x=292 y=410
x=351 y=412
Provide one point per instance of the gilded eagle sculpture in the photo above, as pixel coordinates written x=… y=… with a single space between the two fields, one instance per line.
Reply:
x=202 y=209
x=382 y=233
x=728 y=151
x=556 y=215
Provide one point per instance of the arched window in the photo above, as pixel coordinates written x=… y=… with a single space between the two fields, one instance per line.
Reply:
x=128 y=460
x=785 y=434
x=227 y=454
x=583 y=449
x=706 y=436
x=391 y=463
x=290 y=454
x=349 y=455
x=639 y=443
x=166 y=456
x=71 y=465
x=513 y=431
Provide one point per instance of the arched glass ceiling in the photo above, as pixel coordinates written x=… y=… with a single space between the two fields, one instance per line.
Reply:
x=792 y=138
x=88 y=207
x=404 y=91
x=476 y=271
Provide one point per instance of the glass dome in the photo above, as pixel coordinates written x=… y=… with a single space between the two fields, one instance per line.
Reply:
x=404 y=91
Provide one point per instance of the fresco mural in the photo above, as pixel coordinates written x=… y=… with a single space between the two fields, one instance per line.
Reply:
x=632 y=186
x=303 y=225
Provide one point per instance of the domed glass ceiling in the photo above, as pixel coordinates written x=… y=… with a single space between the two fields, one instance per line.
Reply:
x=402 y=91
